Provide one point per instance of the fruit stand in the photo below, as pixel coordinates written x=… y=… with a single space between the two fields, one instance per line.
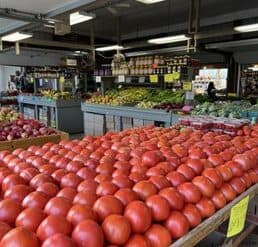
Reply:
x=65 y=115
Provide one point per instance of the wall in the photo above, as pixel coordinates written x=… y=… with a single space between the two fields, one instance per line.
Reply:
x=5 y=72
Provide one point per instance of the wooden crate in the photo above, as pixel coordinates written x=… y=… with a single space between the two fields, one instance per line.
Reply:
x=38 y=141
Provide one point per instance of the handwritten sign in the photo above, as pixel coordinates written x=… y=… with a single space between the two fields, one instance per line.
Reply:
x=154 y=79
x=237 y=217
x=187 y=86
x=168 y=78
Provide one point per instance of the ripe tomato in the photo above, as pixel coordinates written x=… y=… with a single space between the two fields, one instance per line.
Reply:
x=214 y=176
x=122 y=165
x=196 y=165
x=88 y=185
x=192 y=214
x=12 y=180
x=137 y=177
x=244 y=161
x=206 y=187
x=158 y=236
x=139 y=216
x=86 y=198
x=74 y=166
x=186 y=171
x=179 y=150
x=79 y=213
x=137 y=240
x=67 y=193
x=174 y=198
x=122 y=181
x=105 y=168
x=17 y=192
x=70 y=180
x=155 y=171
x=102 y=178
x=235 y=168
x=151 y=158
x=117 y=229
x=126 y=196
x=35 y=199
x=88 y=233
x=40 y=179
x=30 y=218
x=47 y=169
x=21 y=237
x=218 y=199
x=247 y=180
x=177 y=224
x=225 y=172
x=159 y=207
x=58 y=174
x=228 y=192
x=86 y=173
x=4 y=228
x=49 y=189
x=106 y=188
x=145 y=189
x=107 y=205
x=238 y=185
x=59 y=240
x=9 y=210
x=160 y=182
x=190 y=192
x=53 y=225
x=206 y=207
x=216 y=159
x=58 y=206
x=176 y=178
x=253 y=176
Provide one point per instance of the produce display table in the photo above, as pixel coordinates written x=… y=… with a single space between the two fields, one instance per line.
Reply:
x=212 y=223
x=67 y=113
x=98 y=119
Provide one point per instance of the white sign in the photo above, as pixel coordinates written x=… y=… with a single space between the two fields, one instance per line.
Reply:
x=71 y=62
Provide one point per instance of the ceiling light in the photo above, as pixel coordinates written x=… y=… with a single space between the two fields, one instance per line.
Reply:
x=169 y=39
x=78 y=52
x=110 y=48
x=48 y=25
x=247 y=28
x=14 y=37
x=149 y=1
x=80 y=16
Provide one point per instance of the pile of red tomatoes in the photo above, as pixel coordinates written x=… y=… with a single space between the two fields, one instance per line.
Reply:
x=143 y=187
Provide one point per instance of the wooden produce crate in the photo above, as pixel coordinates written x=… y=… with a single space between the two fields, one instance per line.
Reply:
x=37 y=141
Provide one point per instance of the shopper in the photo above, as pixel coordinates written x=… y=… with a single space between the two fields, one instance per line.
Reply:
x=212 y=91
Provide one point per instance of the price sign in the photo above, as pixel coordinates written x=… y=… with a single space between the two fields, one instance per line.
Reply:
x=168 y=78
x=187 y=86
x=121 y=78
x=154 y=79
x=62 y=80
x=98 y=79
x=237 y=217
x=232 y=94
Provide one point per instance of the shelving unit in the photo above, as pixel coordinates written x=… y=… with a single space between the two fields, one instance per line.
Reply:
x=65 y=115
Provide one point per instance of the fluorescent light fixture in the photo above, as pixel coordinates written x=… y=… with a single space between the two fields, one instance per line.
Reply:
x=169 y=39
x=247 y=28
x=80 y=16
x=110 y=48
x=253 y=68
x=149 y=1
x=14 y=37
x=78 y=52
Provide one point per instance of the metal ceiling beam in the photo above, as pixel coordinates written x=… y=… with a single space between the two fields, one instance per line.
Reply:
x=229 y=44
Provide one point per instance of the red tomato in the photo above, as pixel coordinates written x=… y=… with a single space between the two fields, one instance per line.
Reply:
x=53 y=225
x=192 y=214
x=218 y=199
x=38 y=162
x=137 y=240
x=228 y=192
x=122 y=165
x=13 y=162
x=86 y=173
x=145 y=189
x=79 y=213
x=61 y=163
x=91 y=164
x=126 y=196
x=159 y=206
x=12 y=180
x=190 y=192
x=67 y=193
x=48 y=188
x=177 y=224
x=47 y=169
x=88 y=233
x=70 y=180
x=4 y=228
x=9 y=210
x=35 y=199
x=102 y=178
x=216 y=159
x=225 y=172
x=186 y=171
x=122 y=182
x=158 y=236
x=247 y=180
x=206 y=207
x=21 y=237
x=40 y=179
x=105 y=168
x=176 y=178
x=179 y=150
x=74 y=166
x=244 y=161
x=88 y=185
x=151 y=158
x=196 y=165
x=155 y=171
x=238 y=185
x=17 y=192
x=30 y=218
x=58 y=206
x=106 y=206
x=20 y=167
x=174 y=198
x=59 y=240
x=106 y=188
x=253 y=176
x=117 y=229
x=139 y=216
x=4 y=173
x=235 y=168
x=206 y=187
x=214 y=176
x=137 y=177
x=160 y=182
x=86 y=198
x=58 y=174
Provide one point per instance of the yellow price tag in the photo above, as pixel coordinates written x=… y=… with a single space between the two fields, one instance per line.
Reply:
x=187 y=86
x=176 y=75
x=232 y=94
x=237 y=217
x=154 y=79
x=168 y=78
x=62 y=79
